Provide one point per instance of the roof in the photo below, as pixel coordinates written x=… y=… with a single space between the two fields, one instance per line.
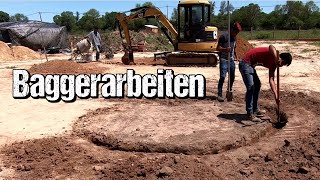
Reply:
x=27 y=24
x=195 y=2
x=151 y=26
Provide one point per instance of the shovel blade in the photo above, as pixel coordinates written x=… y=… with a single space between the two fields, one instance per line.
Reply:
x=229 y=96
x=282 y=120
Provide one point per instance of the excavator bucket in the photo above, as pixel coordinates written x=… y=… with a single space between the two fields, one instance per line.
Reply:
x=127 y=58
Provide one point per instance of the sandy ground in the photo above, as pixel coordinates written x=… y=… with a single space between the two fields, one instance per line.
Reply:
x=163 y=128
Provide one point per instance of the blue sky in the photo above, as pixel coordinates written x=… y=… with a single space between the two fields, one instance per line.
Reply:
x=54 y=7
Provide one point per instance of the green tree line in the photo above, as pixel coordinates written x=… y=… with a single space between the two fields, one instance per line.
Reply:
x=292 y=15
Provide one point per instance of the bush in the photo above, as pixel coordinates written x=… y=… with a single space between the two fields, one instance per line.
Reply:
x=315 y=31
x=263 y=36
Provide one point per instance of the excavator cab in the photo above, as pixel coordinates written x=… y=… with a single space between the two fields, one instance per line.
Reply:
x=194 y=26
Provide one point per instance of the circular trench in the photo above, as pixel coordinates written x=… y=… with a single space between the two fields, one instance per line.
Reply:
x=171 y=126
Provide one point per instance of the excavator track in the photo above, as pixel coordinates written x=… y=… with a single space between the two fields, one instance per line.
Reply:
x=192 y=58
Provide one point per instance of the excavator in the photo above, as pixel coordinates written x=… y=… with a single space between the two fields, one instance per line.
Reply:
x=194 y=42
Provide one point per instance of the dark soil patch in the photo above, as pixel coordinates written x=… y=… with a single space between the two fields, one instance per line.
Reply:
x=61 y=158
x=299 y=159
x=45 y=158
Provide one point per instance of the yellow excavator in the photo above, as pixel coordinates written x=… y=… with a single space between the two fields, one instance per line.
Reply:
x=194 y=42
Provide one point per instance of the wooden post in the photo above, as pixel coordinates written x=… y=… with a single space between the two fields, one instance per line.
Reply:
x=251 y=33
x=167 y=12
x=299 y=33
x=274 y=29
x=45 y=51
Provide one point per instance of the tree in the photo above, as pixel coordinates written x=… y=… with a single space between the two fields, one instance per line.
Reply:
x=109 y=19
x=221 y=20
x=174 y=18
x=90 y=19
x=247 y=15
x=4 y=17
x=19 y=17
x=149 y=4
x=313 y=15
x=213 y=5
x=77 y=16
x=311 y=7
x=224 y=8
x=295 y=14
x=278 y=16
x=66 y=19
x=138 y=24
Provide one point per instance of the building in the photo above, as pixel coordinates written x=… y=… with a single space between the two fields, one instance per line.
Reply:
x=152 y=29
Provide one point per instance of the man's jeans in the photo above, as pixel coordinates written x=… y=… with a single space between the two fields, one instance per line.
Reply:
x=98 y=52
x=223 y=73
x=253 y=84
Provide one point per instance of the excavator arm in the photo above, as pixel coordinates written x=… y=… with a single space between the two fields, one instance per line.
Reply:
x=143 y=12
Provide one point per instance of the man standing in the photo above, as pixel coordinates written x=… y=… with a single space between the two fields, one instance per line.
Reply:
x=95 y=39
x=224 y=49
x=267 y=57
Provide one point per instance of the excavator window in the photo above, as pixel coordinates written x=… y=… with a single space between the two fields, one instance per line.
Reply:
x=192 y=19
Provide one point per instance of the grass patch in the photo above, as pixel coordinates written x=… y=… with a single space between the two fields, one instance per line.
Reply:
x=306 y=50
x=316 y=43
x=10 y=67
x=281 y=34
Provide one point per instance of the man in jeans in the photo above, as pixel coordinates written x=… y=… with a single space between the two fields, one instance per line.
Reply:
x=266 y=57
x=224 y=49
x=95 y=39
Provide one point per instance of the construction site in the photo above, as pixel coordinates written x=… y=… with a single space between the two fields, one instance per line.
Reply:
x=159 y=138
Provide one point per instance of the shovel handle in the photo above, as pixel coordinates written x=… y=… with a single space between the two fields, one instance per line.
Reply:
x=278 y=84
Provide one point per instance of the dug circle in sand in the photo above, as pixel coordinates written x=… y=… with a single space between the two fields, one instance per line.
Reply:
x=68 y=87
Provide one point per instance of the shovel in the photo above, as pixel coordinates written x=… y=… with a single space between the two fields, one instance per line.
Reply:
x=229 y=94
x=282 y=116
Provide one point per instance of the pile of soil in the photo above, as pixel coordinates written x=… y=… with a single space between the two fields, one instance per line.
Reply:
x=16 y=53
x=61 y=158
x=243 y=46
x=45 y=158
x=299 y=159
x=64 y=67
x=24 y=53
x=5 y=52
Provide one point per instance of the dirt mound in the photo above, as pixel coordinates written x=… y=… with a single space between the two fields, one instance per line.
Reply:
x=294 y=160
x=64 y=67
x=24 y=53
x=16 y=53
x=61 y=158
x=243 y=46
x=5 y=52
x=45 y=158
x=64 y=157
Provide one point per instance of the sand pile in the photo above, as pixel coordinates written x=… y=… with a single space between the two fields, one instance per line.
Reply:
x=24 y=53
x=65 y=67
x=5 y=52
x=16 y=53
x=243 y=46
